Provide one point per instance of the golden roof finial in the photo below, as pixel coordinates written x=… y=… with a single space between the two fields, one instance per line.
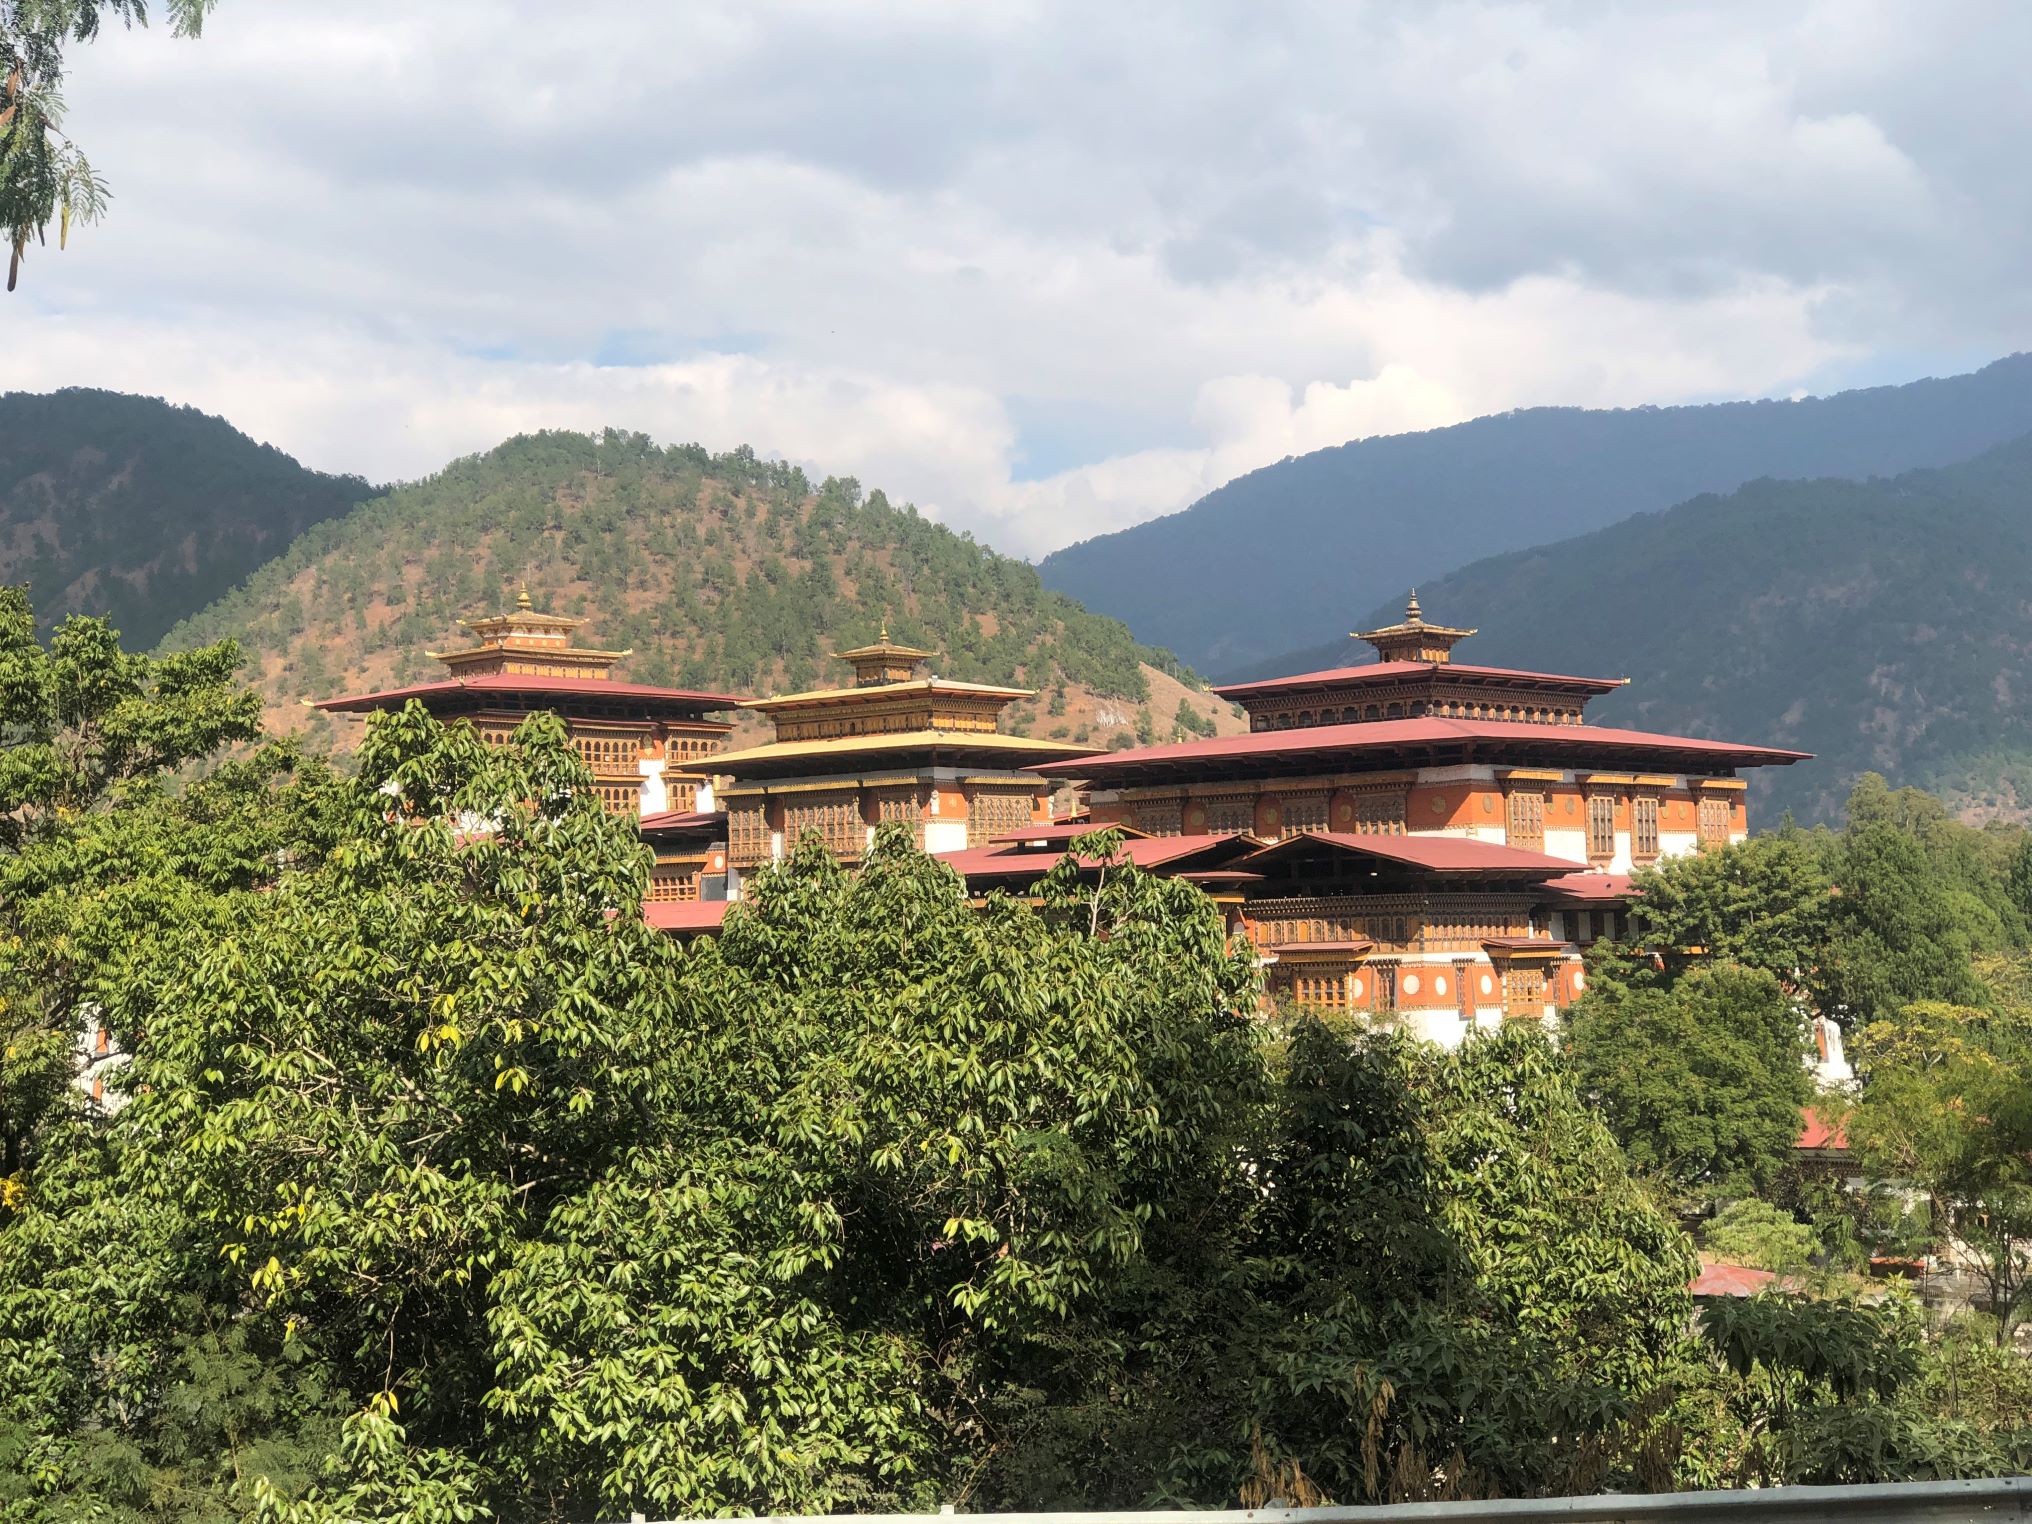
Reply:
x=885 y=629
x=1411 y=611
x=522 y=596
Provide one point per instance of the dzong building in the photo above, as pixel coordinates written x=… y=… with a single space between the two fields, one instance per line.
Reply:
x=1427 y=840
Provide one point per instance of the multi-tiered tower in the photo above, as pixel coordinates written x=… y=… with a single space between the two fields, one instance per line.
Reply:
x=897 y=745
x=647 y=747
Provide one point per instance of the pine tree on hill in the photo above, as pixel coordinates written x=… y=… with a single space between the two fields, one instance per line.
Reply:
x=722 y=571
x=133 y=510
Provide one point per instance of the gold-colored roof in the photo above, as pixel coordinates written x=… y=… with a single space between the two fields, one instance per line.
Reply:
x=929 y=686
x=1029 y=748
x=1413 y=623
x=885 y=647
x=532 y=653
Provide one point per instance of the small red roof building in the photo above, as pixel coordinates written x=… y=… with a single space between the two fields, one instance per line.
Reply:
x=1717 y=1279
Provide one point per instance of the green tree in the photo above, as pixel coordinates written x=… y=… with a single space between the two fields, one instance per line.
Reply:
x=1911 y=918
x=1764 y=903
x=1755 y=1233
x=520 y=1207
x=1453 y=1287
x=95 y=853
x=1702 y=1081
x=1947 y=1106
x=44 y=177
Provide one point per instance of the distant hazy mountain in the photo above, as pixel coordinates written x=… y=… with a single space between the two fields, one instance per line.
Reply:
x=1885 y=626
x=131 y=508
x=1287 y=556
x=720 y=571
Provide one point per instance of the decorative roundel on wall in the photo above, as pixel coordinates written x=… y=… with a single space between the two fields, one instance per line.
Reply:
x=1411 y=984
x=1358 y=989
x=1439 y=984
x=1195 y=820
x=1569 y=804
x=1347 y=811
x=1270 y=813
x=1488 y=985
x=1439 y=804
x=1488 y=804
x=1579 y=980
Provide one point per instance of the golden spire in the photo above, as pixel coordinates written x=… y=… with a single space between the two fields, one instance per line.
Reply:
x=1412 y=639
x=522 y=596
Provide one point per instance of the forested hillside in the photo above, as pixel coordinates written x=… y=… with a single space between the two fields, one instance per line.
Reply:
x=1885 y=626
x=725 y=572
x=1286 y=556
x=140 y=511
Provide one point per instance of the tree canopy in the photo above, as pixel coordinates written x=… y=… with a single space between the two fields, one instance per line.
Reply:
x=1701 y=1081
x=44 y=175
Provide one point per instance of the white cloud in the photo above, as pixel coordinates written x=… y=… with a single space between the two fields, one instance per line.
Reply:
x=872 y=239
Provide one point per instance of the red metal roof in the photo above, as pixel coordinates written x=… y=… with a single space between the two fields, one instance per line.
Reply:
x=1730 y=1280
x=1592 y=888
x=1526 y=945
x=684 y=820
x=512 y=682
x=1428 y=733
x=685 y=917
x=1061 y=831
x=1816 y=1131
x=1149 y=852
x=1389 y=671
x=1436 y=854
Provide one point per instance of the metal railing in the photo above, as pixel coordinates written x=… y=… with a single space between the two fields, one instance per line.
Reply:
x=1989 y=1501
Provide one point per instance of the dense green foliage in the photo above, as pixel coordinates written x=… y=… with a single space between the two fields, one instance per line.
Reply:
x=139 y=512
x=1948 y=1105
x=93 y=856
x=1690 y=1038
x=1869 y=622
x=720 y=571
x=1702 y=1080
x=44 y=177
x=1291 y=556
x=1751 y=1231
x=441 y=1188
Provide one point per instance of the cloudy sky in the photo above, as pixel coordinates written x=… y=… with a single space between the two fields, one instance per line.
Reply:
x=1046 y=269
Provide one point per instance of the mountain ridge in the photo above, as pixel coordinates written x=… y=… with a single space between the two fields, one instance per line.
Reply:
x=1884 y=625
x=141 y=510
x=1275 y=559
x=723 y=572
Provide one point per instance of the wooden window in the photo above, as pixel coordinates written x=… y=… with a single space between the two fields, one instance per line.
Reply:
x=747 y=835
x=1231 y=814
x=1644 y=828
x=1601 y=825
x=1525 y=822
x=1160 y=817
x=834 y=818
x=1304 y=812
x=1524 y=991
x=1380 y=813
x=897 y=806
x=1386 y=987
x=1714 y=822
x=991 y=815
x=1321 y=991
